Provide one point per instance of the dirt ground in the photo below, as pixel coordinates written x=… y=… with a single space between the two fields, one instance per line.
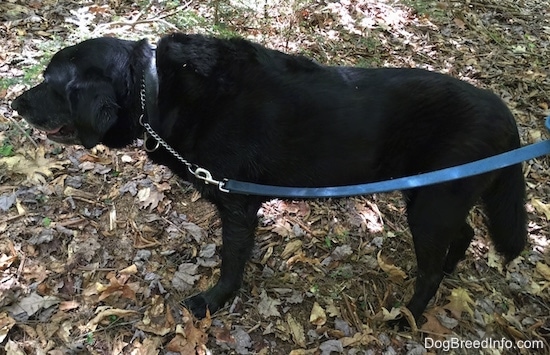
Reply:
x=98 y=247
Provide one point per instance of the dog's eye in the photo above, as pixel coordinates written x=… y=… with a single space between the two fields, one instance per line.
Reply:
x=55 y=89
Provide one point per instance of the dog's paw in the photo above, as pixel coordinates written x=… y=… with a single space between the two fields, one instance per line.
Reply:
x=211 y=300
x=405 y=322
x=198 y=305
x=400 y=324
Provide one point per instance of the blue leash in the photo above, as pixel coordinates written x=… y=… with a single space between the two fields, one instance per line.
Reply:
x=457 y=172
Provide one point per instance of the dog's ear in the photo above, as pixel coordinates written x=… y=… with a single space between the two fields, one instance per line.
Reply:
x=94 y=107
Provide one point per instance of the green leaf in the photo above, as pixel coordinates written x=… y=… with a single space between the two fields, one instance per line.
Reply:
x=46 y=222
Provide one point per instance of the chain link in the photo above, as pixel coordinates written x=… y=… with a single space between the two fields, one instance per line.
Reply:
x=198 y=172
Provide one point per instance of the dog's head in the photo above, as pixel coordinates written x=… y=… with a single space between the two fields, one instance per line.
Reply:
x=88 y=93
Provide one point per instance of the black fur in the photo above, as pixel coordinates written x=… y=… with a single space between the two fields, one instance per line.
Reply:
x=249 y=113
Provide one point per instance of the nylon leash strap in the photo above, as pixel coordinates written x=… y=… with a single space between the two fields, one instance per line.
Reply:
x=496 y=162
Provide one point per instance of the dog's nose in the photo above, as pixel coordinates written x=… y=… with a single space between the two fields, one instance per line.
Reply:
x=18 y=103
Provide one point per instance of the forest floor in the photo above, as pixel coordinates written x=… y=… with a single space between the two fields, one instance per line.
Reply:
x=98 y=247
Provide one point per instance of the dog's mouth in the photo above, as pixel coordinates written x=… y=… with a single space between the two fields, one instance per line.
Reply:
x=64 y=134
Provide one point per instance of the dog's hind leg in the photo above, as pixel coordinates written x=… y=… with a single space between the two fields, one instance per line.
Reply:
x=457 y=248
x=239 y=220
x=437 y=220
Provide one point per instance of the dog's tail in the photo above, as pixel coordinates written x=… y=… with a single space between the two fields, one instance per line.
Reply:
x=505 y=208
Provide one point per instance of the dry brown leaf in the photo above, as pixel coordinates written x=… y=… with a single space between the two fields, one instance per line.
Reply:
x=150 y=197
x=318 y=316
x=6 y=323
x=150 y=346
x=304 y=351
x=284 y=229
x=130 y=270
x=33 y=165
x=389 y=315
x=105 y=312
x=300 y=257
x=267 y=306
x=32 y=303
x=395 y=273
x=543 y=270
x=223 y=335
x=433 y=325
x=118 y=286
x=460 y=301
x=365 y=337
x=190 y=339
x=459 y=23
x=72 y=192
x=68 y=305
x=541 y=207
x=291 y=248
x=296 y=331
x=13 y=348
x=157 y=318
x=6 y=261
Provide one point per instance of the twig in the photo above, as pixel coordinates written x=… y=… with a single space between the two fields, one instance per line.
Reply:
x=9 y=219
x=137 y=21
x=16 y=124
x=146 y=8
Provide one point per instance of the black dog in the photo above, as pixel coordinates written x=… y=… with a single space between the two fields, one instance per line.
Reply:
x=253 y=114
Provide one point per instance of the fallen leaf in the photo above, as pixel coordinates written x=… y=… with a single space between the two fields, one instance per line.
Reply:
x=32 y=304
x=332 y=310
x=433 y=325
x=223 y=335
x=190 y=339
x=365 y=337
x=68 y=305
x=284 y=229
x=13 y=348
x=317 y=316
x=494 y=260
x=543 y=270
x=460 y=301
x=296 y=331
x=104 y=312
x=195 y=231
x=300 y=257
x=33 y=165
x=267 y=306
x=395 y=273
x=291 y=248
x=117 y=286
x=243 y=341
x=390 y=315
x=342 y=252
x=130 y=270
x=6 y=323
x=185 y=277
x=332 y=346
x=459 y=23
x=157 y=318
x=150 y=197
x=6 y=261
x=541 y=207
x=6 y=201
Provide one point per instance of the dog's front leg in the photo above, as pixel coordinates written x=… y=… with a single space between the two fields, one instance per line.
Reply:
x=239 y=220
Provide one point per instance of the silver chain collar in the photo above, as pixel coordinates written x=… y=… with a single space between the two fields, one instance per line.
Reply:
x=198 y=172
